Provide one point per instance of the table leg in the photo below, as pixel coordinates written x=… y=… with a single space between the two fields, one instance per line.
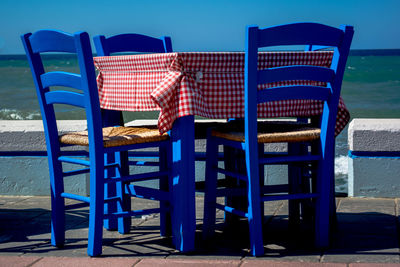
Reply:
x=183 y=177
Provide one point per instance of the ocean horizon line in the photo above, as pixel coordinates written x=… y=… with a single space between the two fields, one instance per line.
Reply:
x=353 y=52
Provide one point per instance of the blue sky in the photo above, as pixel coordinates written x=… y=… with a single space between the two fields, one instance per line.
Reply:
x=205 y=25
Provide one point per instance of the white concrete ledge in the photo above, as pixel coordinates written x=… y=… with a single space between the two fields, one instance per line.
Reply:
x=374 y=135
x=370 y=173
x=28 y=135
x=29 y=175
x=26 y=174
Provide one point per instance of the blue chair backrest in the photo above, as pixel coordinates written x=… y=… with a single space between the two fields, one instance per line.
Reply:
x=311 y=35
x=85 y=97
x=131 y=42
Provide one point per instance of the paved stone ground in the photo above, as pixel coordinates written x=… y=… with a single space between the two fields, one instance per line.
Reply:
x=367 y=232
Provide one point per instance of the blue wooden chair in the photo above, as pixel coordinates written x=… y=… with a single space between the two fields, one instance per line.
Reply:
x=80 y=90
x=138 y=43
x=125 y=43
x=131 y=42
x=251 y=135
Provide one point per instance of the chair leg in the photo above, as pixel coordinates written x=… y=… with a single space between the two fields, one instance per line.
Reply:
x=254 y=208
x=323 y=203
x=294 y=187
x=111 y=207
x=57 y=205
x=210 y=188
x=165 y=185
x=307 y=207
x=234 y=161
x=294 y=174
x=96 y=210
x=261 y=173
x=255 y=222
x=333 y=215
x=124 y=223
x=110 y=191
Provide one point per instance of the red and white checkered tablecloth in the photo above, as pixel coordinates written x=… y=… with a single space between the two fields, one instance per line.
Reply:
x=208 y=84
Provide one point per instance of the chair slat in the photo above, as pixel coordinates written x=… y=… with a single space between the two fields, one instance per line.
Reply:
x=74 y=160
x=298 y=72
x=294 y=92
x=131 y=42
x=60 y=78
x=232 y=210
x=300 y=34
x=137 y=42
x=75 y=197
x=56 y=41
x=146 y=192
x=65 y=97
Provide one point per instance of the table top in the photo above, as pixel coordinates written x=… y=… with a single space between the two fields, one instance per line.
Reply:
x=207 y=84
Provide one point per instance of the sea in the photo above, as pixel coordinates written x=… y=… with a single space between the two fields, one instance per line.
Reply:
x=371 y=89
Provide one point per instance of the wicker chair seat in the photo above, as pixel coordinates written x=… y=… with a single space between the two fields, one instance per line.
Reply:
x=269 y=132
x=117 y=136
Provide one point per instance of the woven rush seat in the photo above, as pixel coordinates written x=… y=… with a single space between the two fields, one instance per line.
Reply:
x=269 y=132
x=117 y=136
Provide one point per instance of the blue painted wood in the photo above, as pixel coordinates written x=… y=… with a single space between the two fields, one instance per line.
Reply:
x=251 y=145
x=65 y=97
x=165 y=185
x=104 y=164
x=314 y=36
x=56 y=41
x=146 y=192
x=233 y=165
x=297 y=180
x=75 y=197
x=232 y=210
x=183 y=158
x=210 y=198
x=112 y=181
x=130 y=42
x=374 y=154
x=139 y=176
x=294 y=92
x=308 y=73
x=74 y=160
x=304 y=33
x=57 y=203
x=59 y=78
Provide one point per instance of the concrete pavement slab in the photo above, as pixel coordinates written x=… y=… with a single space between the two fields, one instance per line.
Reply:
x=15 y=261
x=187 y=262
x=367 y=232
x=84 y=262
